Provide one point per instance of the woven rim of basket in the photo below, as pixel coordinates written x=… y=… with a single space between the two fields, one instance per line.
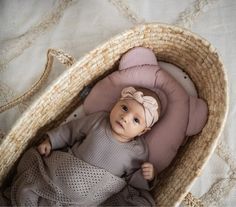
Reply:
x=172 y=44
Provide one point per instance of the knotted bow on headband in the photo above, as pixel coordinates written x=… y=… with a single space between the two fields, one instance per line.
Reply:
x=149 y=103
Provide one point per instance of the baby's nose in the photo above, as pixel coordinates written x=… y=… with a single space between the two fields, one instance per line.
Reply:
x=126 y=117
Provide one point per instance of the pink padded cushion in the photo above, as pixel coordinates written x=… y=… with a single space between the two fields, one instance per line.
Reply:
x=169 y=132
x=138 y=56
x=198 y=113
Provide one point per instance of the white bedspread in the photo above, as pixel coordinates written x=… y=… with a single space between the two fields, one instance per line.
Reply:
x=29 y=27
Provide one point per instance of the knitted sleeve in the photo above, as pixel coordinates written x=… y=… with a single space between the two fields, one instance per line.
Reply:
x=73 y=131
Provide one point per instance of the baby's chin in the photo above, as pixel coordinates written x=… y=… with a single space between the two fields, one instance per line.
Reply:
x=119 y=135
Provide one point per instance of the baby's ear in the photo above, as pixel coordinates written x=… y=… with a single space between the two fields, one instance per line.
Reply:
x=144 y=131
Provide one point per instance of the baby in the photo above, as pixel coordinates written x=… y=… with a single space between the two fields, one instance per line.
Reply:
x=100 y=153
x=110 y=141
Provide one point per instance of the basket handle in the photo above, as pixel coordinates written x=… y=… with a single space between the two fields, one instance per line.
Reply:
x=63 y=57
x=192 y=201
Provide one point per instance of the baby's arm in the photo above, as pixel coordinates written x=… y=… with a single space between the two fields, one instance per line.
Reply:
x=69 y=133
x=62 y=136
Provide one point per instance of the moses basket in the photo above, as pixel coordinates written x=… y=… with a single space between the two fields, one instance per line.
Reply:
x=197 y=57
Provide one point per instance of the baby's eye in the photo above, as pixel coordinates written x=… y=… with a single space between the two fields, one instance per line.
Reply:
x=125 y=108
x=136 y=120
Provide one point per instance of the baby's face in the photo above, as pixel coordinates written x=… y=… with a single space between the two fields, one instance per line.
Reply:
x=127 y=119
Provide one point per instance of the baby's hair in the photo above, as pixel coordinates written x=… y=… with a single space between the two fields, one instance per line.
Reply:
x=148 y=92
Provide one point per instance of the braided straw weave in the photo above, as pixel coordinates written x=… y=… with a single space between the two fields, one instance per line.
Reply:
x=61 y=56
x=172 y=44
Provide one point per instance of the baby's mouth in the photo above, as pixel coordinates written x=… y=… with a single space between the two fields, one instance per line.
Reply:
x=119 y=123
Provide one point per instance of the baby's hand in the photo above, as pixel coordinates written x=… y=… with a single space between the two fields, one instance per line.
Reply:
x=45 y=147
x=148 y=171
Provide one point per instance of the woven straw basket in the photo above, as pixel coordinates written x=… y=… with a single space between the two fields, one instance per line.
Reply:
x=175 y=45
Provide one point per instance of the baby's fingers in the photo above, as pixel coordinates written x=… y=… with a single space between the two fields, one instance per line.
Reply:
x=44 y=149
x=148 y=171
x=147 y=165
x=147 y=175
x=47 y=151
x=41 y=149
